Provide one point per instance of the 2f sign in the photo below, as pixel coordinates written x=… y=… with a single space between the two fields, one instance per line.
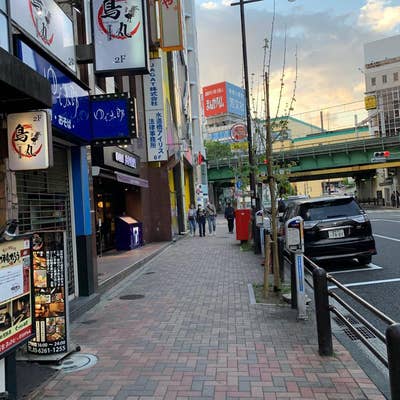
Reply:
x=29 y=141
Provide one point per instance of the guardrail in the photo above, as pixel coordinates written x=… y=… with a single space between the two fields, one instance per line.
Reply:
x=324 y=309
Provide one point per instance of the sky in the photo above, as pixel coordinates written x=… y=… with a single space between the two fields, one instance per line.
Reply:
x=329 y=36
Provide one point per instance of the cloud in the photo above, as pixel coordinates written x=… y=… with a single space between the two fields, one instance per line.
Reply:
x=209 y=5
x=379 y=16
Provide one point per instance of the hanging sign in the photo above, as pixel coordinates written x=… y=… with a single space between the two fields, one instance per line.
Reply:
x=29 y=141
x=49 y=281
x=120 y=36
x=154 y=108
x=239 y=132
x=171 y=25
x=46 y=23
x=16 y=322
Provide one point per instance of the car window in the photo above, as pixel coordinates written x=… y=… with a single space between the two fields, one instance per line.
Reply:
x=327 y=209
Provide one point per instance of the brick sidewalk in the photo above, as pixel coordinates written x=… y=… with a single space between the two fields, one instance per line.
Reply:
x=195 y=336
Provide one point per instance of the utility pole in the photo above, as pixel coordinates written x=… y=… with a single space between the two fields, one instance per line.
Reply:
x=272 y=188
x=252 y=177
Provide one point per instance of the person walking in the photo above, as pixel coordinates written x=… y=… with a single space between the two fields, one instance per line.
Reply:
x=192 y=213
x=201 y=220
x=211 y=215
x=393 y=199
x=230 y=216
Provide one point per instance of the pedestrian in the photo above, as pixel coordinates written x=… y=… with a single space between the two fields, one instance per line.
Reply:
x=393 y=199
x=192 y=213
x=230 y=216
x=397 y=199
x=201 y=220
x=211 y=215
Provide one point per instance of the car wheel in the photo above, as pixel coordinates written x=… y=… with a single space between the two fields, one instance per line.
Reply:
x=364 y=260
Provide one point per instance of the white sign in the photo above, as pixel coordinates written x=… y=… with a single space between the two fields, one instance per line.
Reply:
x=29 y=141
x=171 y=25
x=154 y=108
x=47 y=24
x=120 y=36
x=11 y=282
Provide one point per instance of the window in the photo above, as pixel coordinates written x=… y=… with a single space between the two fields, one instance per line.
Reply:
x=373 y=81
x=384 y=78
x=396 y=76
x=3 y=5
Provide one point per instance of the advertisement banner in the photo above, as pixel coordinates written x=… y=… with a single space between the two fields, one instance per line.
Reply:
x=70 y=110
x=120 y=36
x=16 y=322
x=48 y=26
x=49 y=281
x=112 y=117
x=171 y=25
x=29 y=141
x=236 y=100
x=214 y=100
x=154 y=109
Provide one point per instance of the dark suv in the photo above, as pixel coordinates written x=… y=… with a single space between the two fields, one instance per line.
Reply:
x=334 y=228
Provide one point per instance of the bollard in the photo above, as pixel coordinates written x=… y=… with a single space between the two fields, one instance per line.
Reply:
x=293 y=288
x=322 y=312
x=393 y=352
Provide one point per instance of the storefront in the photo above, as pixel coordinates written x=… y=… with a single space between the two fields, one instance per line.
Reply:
x=117 y=192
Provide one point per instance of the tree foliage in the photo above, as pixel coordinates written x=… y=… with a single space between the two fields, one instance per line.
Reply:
x=217 y=150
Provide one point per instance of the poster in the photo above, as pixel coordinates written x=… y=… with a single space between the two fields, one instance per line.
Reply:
x=48 y=256
x=16 y=323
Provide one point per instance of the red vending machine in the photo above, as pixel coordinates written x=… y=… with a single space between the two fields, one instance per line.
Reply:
x=242 y=218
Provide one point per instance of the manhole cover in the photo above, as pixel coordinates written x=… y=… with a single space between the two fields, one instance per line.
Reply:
x=89 y=321
x=76 y=362
x=149 y=273
x=132 y=296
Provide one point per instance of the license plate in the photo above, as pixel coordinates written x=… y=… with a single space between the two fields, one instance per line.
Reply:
x=335 y=234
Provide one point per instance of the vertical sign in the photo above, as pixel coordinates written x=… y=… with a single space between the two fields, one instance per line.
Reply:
x=171 y=25
x=29 y=141
x=50 y=296
x=47 y=24
x=154 y=108
x=15 y=294
x=120 y=36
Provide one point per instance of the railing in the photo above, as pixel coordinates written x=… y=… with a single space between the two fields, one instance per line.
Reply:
x=324 y=309
x=315 y=149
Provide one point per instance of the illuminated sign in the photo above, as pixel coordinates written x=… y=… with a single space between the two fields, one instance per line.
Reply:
x=370 y=102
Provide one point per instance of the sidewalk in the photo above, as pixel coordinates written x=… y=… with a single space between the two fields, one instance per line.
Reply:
x=194 y=335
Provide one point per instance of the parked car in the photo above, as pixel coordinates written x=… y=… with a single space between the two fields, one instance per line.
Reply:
x=334 y=228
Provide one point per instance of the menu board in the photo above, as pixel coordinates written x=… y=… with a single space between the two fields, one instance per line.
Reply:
x=16 y=325
x=48 y=254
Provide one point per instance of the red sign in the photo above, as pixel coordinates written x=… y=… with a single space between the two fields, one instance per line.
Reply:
x=239 y=132
x=214 y=100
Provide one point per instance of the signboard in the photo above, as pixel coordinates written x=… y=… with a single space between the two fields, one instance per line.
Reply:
x=236 y=100
x=112 y=117
x=16 y=316
x=116 y=158
x=370 y=102
x=239 y=132
x=29 y=141
x=70 y=110
x=49 y=288
x=120 y=36
x=154 y=109
x=47 y=25
x=214 y=100
x=171 y=25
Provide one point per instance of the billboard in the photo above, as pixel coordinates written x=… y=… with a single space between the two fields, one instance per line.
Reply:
x=48 y=26
x=222 y=98
x=120 y=36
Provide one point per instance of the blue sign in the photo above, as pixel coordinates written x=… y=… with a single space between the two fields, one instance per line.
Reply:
x=235 y=97
x=70 y=111
x=111 y=117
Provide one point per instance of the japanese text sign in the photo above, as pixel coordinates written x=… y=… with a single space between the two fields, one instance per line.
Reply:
x=29 y=141
x=171 y=25
x=120 y=36
x=47 y=24
x=154 y=108
x=214 y=100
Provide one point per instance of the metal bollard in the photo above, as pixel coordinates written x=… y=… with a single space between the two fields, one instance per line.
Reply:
x=322 y=312
x=293 y=288
x=393 y=352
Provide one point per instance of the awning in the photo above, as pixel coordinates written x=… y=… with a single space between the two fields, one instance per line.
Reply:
x=119 y=177
x=21 y=88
